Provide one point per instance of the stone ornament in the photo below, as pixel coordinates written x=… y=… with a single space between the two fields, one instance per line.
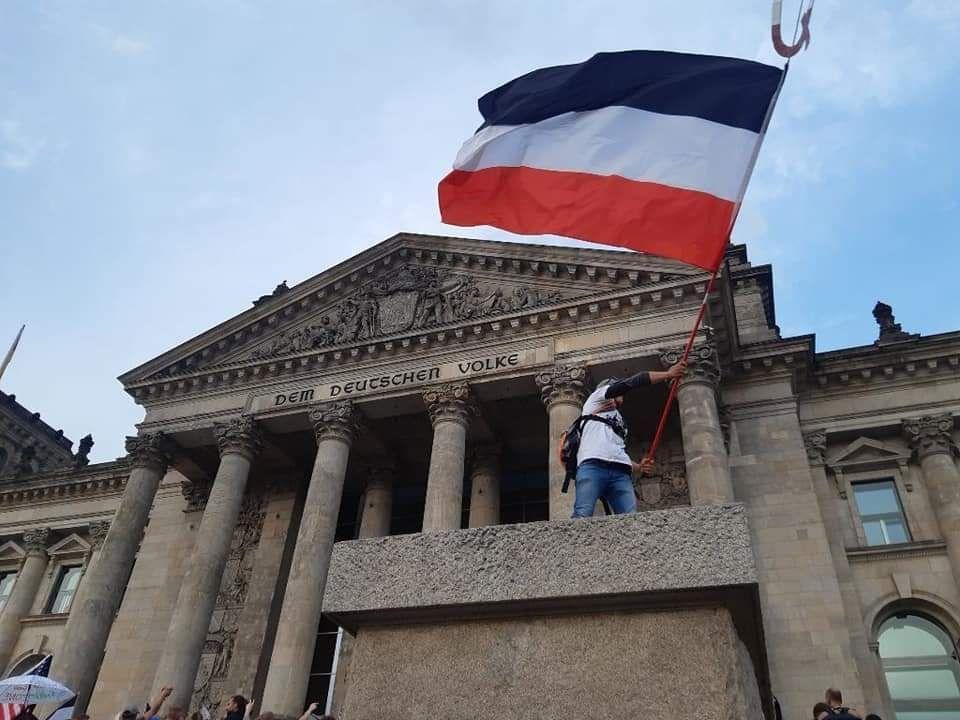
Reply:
x=97 y=532
x=563 y=384
x=815 y=443
x=196 y=494
x=82 y=458
x=930 y=434
x=412 y=298
x=36 y=540
x=452 y=402
x=149 y=450
x=702 y=364
x=335 y=420
x=241 y=436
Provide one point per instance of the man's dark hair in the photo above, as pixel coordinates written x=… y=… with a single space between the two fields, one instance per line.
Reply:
x=819 y=708
x=240 y=701
x=834 y=696
x=873 y=716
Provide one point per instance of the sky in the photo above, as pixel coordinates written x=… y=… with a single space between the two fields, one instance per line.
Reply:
x=163 y=164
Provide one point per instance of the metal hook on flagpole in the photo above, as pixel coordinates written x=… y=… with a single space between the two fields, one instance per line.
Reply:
x=803 y=24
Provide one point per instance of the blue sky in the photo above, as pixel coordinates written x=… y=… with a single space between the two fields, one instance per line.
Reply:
x=162 y=164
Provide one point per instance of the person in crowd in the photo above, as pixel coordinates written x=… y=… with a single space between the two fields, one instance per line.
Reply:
x=873 y=716
x=81 y=716
x=236 y=708
x=311 y=711
x=837 y=710
x=820 y=711
x=604 y=470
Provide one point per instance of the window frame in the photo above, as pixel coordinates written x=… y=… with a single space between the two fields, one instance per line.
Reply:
x=859 y=518
x=5 y=573
x=918 y=662
x=62 y=570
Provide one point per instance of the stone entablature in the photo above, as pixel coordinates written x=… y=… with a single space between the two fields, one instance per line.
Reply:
x=524 y=296
x=60 y=485
x=28 y=445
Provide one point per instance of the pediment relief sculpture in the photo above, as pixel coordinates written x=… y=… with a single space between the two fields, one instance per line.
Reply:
x=413 y=298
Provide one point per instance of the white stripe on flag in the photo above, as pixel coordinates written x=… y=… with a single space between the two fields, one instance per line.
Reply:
x=64 y=712
x=676 y=150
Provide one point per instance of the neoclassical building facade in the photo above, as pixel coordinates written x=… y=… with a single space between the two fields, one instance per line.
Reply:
x=422 y=387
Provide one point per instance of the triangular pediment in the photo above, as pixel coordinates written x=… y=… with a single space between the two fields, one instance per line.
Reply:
x=868 y=451
x=408 y=284
x=11 y=551
x=73 y=544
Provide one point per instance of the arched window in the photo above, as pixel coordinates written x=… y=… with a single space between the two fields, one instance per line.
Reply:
x=921 y=667
x=26 y=664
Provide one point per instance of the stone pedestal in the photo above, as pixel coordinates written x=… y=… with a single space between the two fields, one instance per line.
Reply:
x=931 y=439
x=24 y=591
x=85 y=637
x=239 y=442
x=450 y=408
x=667 y=599
x=708 y=468
x=485 y=486
x=563 y=391
x=335 y=425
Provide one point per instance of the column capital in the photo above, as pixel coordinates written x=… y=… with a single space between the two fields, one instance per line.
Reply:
x=929 y=434
x=702 y=364
x=97 y=532
x=815 y=443
x=150 y=450
x=36 y=540
x=563 y=384
x=452 y=402
x=337 y=420
x=241 y=436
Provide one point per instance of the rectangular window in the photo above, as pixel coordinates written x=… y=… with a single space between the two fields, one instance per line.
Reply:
x=6 y=586
x=67 y=583
x=880 y=513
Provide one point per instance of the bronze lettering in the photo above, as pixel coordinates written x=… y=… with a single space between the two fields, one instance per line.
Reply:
x=513 y=359
x=280 y=400
x=335 y=390
x=306 y=395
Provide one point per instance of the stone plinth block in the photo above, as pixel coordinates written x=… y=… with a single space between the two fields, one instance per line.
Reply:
x=615 y=614
x=682 y=549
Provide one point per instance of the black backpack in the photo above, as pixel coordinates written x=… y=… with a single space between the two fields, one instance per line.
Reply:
x=570 y=444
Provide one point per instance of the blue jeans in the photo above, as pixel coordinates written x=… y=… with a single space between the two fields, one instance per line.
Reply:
x=610 y=481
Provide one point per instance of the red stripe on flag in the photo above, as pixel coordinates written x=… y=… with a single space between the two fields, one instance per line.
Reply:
x=686 y=225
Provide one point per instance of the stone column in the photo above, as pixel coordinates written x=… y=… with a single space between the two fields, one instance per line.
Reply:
x=24 y=591
x=451 y=407
x=239 y=441
x=931 y=438
x=485 y=486
x=97 y=532
x=377 y=502
x=834 y=520
x=708 y=468
x=563 y=391
x=85 y=637
x=335 y=425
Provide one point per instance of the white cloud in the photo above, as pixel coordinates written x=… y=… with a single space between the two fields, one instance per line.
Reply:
x=126 y=45
x=18 y=151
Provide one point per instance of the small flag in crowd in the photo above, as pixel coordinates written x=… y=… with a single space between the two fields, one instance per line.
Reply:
x=642 y=149
x=10 y=710
x=65 y=711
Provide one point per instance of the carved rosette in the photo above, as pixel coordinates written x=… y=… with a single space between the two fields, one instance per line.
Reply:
x=335 y=421
x=930 y=434
x=452 y=402
x=36 y=540
x=702 y=364
x=241 y=436
x=97 y=532
x=149 y=450
x=815 y=443
x=563 y=384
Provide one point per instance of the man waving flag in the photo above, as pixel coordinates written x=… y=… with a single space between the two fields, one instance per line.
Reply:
x=645 y=150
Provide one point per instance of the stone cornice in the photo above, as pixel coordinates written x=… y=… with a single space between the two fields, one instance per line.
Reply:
x=918 y=549
x=64 y=485
x=663 y=296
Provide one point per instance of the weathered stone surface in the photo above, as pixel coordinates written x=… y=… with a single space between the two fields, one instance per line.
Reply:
x=682 y=548
x=651 y=665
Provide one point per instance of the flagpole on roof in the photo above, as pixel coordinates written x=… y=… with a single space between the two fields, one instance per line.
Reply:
x=675 y=384
x=13 y=348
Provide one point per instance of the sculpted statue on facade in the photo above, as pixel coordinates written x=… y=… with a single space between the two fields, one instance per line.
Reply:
x=414 y=298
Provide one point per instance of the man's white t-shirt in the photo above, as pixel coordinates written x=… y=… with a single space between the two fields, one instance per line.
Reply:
x=598 y=441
